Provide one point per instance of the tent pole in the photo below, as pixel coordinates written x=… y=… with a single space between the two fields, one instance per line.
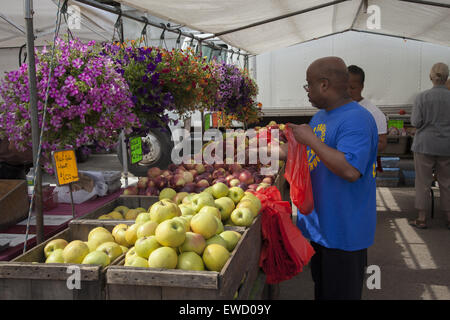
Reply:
x=28 y=10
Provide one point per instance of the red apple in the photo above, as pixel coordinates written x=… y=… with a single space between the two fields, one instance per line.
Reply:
x=203 y=184
x=209 y=168
x=229 y=178
x=188 y=177
x=246 y=177
x=189 y=187
x=253 y=186
x=151 y=191
x=243 y=186
x=153 y=172
x=193 y=172
x=235 y=167
x=177 y=181
x=165 y=173
x=220 y=172
x=151 y=183
x=142 y=182
x=131 y=190
x=172 y=167
x=160 y=182
x=258 y=177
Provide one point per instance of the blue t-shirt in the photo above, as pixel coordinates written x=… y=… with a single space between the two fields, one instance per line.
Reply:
x=344 y=215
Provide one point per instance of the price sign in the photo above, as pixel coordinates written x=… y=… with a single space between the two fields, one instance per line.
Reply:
x=136 y=149
x=65 y=165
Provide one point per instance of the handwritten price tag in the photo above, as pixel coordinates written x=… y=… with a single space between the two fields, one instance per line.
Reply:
x=136 y=149
x=65 y=165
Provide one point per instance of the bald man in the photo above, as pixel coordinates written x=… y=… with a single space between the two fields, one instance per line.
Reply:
x=341 y=140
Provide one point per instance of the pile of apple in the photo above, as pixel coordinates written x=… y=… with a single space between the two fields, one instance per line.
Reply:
x=186 y=231
x=101 y=248
x=196 y=177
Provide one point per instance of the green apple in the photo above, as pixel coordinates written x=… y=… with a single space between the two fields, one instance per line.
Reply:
x=209 y=190
x=220 y=227
x=186 y=210
x=118 y=234
x=242 y=217
x=190 y=261
x=75 y=252
x=217 y=239
x=235 y=194
x=121 y=209
x=146 y=229
x=188 y=199
x=95 y=239
x=231 y=238
x=186 y=222
x=142 y=217
x=204 y=224
x=202 y=199
x=178 y=199
x=112 y=249
x=167 y=193
x=247 y=203
x=170 y=233
x=215 y=256
x=131 y=233
x=131 y=214
x=164 y=210
x=130 y=253
x=194 y=242
x=146 y=245
x=97 y=257
x=219 y=190
x=136 y=261
x=54 y=245
x=211 y=210
x=254 y=199
x=164 y=257
x=225 y=206
x=56 y=256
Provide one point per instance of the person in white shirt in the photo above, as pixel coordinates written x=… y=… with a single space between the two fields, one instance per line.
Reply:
x=356 y=86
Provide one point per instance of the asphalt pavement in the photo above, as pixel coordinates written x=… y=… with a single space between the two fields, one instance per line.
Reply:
x=412 y=264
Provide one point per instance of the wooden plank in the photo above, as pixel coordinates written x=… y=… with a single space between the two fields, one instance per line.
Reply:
x=161 y=277
x=244 y=257
x=129 y=292
x=53 y=271
x=178 y=293
x=13 y=202
x=15 y=289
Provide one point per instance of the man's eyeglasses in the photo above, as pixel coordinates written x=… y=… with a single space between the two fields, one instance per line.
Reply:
x=306 y=86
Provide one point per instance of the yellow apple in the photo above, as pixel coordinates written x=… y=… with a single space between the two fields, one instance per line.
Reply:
x=121 y=209
x=124 y=249
x=75 y=252
x=54 y=245
x=98 y=238
x=215 y=257
x=212 y=210
x=131 y=233
x=143 y=217
x=105 y=217
x=56 y=256
x=190 y=261
x=204 y=224
x=136 y=261
x=184 y=221
x=132 y=214
x=146 y=245
x=112 y=249
x=170 y=233
x=231 y=238
x=247 y=203
x=146 y=229
x=225 y=206
x=217 y=239
x=97 y=257
x=116 y=215
x=119 y=232
x=164 y=257
x=194 y=242
x=164 y=210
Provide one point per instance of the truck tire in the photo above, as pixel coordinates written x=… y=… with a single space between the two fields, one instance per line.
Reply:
x=160 y=145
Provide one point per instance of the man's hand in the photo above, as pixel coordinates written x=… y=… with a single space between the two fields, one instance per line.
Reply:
x=303 y=133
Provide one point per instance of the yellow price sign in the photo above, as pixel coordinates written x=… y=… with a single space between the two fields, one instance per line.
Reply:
x=65 y=165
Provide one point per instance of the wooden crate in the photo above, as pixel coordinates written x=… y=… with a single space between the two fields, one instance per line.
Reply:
x=238 y=275
x=28 y=277
x=14 y=203
x=131 y=202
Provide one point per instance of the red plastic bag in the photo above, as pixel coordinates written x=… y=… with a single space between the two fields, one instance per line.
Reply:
x=284 y=249
x=297 y=175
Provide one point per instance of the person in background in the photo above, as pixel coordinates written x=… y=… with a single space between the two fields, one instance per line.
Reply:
x=356 y=86
x=431 y=146
x=341 y=140
x=14 y=164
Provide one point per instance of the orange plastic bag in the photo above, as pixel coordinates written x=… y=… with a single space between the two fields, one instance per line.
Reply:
x=297 y=174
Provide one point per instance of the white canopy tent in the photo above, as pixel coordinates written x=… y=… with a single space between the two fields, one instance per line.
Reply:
x=259 y=26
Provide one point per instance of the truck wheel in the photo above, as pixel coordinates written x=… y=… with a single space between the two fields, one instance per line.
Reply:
x=160 y=144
